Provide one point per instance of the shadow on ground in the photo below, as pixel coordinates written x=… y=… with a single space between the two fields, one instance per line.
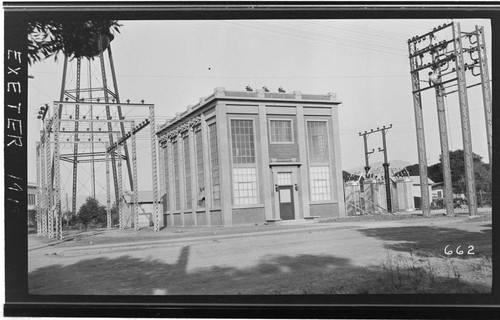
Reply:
x=428 y=241
x=303 y=274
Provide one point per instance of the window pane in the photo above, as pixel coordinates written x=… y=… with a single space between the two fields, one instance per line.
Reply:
x=284 y=178
x=199 y=169
x=318 y=141
x=320 y=183
x=187 y=172
x=214 y=164
x=167 y=175
x=245 y=186
x=242 y=141
x=175 y=157
x=281 y=130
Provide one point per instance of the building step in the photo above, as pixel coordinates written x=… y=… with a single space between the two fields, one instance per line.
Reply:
x=296 y=221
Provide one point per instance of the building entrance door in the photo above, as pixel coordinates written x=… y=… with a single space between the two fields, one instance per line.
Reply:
x=287 y=211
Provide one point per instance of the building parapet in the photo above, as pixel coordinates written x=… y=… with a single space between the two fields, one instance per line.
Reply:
x=259 y=94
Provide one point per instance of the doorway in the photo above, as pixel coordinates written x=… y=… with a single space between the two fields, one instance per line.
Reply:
x=286 y=205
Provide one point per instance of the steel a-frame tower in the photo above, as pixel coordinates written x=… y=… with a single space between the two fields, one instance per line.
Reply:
x=445 y=63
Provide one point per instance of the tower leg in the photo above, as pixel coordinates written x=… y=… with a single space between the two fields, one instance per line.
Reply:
x=135 y=209
x=486 y=89
x=108 y=192
x=422 y=156
x=445 y=154
x=152 y=125
x=119 y=201
x=464 y=116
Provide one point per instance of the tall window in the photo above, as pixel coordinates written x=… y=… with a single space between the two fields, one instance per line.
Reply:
x=281 y=131
x=199 y=169
x=318 y=141
x=245 y=186
x=214 y=164
x=243 y=143
x=175 y=158
x=320 y=183
x=244 y=171
x=187 y=172
x=319 y=170
x=167 y=177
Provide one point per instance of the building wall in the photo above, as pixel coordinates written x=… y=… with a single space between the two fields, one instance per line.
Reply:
x=247 y=188
x=249 y=215
x=325 y=210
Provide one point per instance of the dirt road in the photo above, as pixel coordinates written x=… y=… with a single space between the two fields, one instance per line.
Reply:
x=315 y=258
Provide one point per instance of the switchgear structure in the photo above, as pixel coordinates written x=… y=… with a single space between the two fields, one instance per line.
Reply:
x=446 y=63
x=88 y=130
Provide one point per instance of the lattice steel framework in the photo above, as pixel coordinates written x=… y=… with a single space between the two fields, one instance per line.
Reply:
x=437 y=59
x=88 y=121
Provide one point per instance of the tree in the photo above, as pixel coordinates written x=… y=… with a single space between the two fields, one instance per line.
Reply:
x=74 y=38
x=91 y=212
x=458 y=180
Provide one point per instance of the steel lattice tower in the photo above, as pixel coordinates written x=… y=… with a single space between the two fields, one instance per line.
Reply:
x=87 y=133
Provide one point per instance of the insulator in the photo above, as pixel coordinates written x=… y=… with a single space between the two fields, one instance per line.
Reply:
x=97 y=117
x=67 y=139
x=128 y=100
x=63 y=129
x=142 y=101
x=83 y=117
x=39 y=117
x=70 y=117
x=98 y=99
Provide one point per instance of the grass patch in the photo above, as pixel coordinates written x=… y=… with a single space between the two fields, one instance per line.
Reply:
x=402 y=275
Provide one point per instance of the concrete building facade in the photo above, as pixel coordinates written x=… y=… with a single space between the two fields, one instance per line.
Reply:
x=252 y=157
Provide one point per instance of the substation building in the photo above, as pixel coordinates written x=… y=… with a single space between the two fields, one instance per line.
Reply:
x=246 y=157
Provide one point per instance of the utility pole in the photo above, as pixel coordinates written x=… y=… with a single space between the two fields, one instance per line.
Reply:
x=385 y=164
x=443 y=131
x=367 y=153
x=386 y=169
x=427 y=53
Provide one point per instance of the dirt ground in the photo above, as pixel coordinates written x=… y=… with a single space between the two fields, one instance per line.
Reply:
x=347 y=256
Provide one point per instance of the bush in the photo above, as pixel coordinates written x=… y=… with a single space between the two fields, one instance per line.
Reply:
x=92 y=213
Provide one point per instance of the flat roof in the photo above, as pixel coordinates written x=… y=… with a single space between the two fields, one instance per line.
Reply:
x=221 y=93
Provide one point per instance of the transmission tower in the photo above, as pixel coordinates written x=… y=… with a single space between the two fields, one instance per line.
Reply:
x=445 y=63
x=85 y=133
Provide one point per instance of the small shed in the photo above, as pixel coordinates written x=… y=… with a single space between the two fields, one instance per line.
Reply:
x=417 y=195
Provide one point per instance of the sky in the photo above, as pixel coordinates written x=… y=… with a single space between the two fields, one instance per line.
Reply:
x=171 y=64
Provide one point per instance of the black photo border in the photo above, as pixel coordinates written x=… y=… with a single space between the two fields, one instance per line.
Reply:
x=18 y=302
